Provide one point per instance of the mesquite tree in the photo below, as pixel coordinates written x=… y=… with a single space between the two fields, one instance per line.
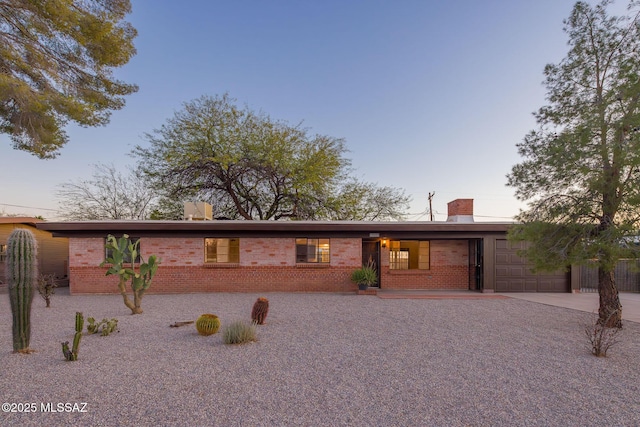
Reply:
x=21 y=274
x=123 y=255
x=249 y=166
x=581 y=173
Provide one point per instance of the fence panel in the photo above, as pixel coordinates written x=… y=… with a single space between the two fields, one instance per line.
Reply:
x=627 y=275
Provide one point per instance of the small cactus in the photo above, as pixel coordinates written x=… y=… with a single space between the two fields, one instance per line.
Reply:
x=260 y=310
x=208 y=324
x=21 y=274
x=105 y=326
x=72 y=355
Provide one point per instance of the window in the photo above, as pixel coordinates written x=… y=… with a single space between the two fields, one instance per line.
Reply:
x=409 y=255
x=3 y=253
x=127 y=255
x=312 y=250
x=222 y=250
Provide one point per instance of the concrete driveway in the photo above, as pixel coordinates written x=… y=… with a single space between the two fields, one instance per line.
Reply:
x=583 y=301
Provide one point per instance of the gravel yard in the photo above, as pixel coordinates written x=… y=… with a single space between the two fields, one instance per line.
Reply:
x=321 y=360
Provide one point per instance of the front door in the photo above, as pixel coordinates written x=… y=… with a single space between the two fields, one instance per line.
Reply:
x=371 y=253
x=475 y=265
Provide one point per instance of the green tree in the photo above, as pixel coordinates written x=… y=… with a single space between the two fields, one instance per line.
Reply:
x=56 y=62
x=249 y=166
x=581 y=173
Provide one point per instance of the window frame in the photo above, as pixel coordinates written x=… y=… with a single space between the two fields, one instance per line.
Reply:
x=409 y=260
x=232 y=258
x=320 y=255
x=3 y=252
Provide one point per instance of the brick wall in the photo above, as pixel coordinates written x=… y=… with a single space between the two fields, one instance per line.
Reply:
x=266 y=265
x=449 y=268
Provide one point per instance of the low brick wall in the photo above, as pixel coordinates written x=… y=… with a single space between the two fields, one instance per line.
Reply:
x=171 y=279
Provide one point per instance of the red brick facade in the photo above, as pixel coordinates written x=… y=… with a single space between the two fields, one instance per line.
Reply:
x=266 y=265
x=449 y=269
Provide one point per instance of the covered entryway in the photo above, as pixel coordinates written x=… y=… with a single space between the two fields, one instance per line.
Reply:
x=513 y=273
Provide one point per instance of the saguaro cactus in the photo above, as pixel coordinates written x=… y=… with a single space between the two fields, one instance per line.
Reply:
x=21 y=274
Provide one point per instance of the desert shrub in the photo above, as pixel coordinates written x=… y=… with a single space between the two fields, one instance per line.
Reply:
x=600 y=338
x=47 y=287
x=239 y=332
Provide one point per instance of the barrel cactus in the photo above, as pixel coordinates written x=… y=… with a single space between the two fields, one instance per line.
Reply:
x=21 y=274
x=260 y=310
x=208 y=324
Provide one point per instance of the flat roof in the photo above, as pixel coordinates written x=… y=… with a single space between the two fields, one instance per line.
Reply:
x=20 y=220
x=271 y=228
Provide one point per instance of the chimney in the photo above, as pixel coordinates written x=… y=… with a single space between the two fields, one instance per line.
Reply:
x=460 y=210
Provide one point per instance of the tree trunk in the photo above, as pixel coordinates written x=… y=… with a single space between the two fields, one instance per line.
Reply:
x=137 y=301
x=610 y=311
x=127 y=302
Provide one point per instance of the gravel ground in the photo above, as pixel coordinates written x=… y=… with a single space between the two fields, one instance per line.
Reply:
x=321 y=360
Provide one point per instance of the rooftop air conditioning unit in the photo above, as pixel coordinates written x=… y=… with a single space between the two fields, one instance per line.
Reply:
x=198 y=211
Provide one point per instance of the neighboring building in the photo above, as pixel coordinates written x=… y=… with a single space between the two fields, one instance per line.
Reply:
x=309 y=256
x=53 y=254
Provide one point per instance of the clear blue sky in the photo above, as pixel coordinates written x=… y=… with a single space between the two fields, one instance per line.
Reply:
x=430 y=95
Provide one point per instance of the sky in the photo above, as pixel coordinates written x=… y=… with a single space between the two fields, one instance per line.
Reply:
x=429 y=95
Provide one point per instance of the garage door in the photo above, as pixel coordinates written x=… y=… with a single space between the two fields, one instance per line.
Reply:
x=513 y=274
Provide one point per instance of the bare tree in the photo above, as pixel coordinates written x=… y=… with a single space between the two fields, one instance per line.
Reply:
x=109 y=194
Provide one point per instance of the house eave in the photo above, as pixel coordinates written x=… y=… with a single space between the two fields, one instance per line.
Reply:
x=271 y=228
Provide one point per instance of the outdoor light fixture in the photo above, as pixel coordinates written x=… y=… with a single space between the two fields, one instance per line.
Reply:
x=384 y=243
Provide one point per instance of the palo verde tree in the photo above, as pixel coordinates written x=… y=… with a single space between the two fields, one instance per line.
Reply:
x=581 y=167
x=56 y=62
x=249 y=166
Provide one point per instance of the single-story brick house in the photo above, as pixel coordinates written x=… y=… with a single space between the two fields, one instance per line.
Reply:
x=263 y=256
x=53 y=253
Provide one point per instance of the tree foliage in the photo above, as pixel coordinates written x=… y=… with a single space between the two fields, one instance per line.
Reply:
x=581 y=173
x=249 y=166
x=56 y=62
x=110 y=194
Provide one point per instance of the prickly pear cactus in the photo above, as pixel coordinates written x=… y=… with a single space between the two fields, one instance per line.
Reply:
x=208 y=324
x=260 y=310
x=21 y=274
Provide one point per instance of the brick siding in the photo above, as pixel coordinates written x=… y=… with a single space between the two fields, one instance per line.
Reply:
x=448 y=269
x=266 y=265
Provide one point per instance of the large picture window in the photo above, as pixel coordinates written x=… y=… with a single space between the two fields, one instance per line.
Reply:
x=312 y=250
x=222 y=250
x=127 y=255
x=409 y=255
